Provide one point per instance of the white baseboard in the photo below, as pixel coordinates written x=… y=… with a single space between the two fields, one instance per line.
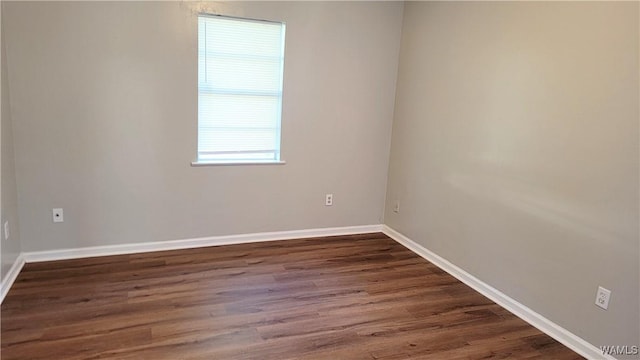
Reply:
x=65 y=254
x=543 y=324
x=10 y=277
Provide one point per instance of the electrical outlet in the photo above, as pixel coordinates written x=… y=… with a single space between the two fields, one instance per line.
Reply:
x=602 y=297
x=396 y=207
x=58 y=215
x=328 y=200
x=6 y=230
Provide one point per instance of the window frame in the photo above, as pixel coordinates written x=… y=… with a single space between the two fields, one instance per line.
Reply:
x=279 y=94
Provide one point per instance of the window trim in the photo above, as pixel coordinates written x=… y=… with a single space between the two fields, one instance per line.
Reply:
x=280 y=161
x=236 y=163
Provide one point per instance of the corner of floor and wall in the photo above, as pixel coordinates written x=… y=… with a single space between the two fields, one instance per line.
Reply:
x=500 y=141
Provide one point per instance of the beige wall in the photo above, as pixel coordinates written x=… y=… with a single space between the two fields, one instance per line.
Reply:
x=10 y=247
x=515 y=153
x=104 y=107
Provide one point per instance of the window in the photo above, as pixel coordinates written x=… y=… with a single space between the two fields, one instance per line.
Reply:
x=240 y=66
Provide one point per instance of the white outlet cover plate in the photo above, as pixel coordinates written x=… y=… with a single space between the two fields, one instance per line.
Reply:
x=602 y=297
x=6 y=230
x=58 y=215
x=328 y=199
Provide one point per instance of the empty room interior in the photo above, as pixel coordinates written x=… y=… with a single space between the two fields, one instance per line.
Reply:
x=320 y=180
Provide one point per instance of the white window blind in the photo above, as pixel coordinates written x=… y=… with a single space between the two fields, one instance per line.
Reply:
x=240 y=66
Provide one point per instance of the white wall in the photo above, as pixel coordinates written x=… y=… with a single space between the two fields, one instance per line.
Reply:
x=515 y=153
x=10 y=247
x=104 y=100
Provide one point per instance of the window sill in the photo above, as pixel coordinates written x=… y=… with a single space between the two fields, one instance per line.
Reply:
x=236 y=163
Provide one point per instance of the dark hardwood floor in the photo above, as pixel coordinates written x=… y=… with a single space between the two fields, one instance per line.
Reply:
x=346 y=297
